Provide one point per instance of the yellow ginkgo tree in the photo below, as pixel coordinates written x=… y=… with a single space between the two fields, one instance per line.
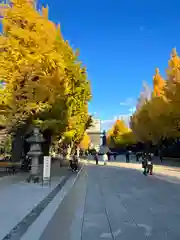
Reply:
x=158 y=118
x=120 y=135
x=44 y=81
x=85 y=142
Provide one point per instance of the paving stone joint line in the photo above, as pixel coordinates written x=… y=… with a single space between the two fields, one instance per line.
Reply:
x=17 y=232
x=105 y=209
x=84 y=207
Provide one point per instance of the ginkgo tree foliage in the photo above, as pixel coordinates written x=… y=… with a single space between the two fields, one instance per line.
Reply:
x=28 y=62
x=85 y=142
x=158 y=118
x=45 y=83
x=120 y=136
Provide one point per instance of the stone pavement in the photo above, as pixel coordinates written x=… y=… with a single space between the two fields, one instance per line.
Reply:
x=3 y=173
x=37 y=227
x=22 y=202
x=117 y=203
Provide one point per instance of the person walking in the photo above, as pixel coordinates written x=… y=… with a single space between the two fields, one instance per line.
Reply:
x=144 y=163
x=160 y=155
x=105 y=158
x=127 y=156
x=147 y=164
x=150 y=164
x=137 y=156
x=96 y=158
x=75 y=163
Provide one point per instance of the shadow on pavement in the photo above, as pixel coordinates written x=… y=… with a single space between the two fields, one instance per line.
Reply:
x=117 y=203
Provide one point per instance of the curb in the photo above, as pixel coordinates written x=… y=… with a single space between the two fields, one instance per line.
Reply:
x=4 y=177
x=36 y=230
x=78 y=174
x=20 y=229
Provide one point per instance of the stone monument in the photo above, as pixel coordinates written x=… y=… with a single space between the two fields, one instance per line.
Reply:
x=104 y=148
x=104 y=138
x=34 y=153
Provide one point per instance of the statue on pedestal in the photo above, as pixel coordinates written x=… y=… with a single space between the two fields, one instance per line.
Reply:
x=104 y=138
x=104 y=148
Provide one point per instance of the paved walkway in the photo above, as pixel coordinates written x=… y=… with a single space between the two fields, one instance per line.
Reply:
x=18 y=198
x=160 y=169
x=117 y=203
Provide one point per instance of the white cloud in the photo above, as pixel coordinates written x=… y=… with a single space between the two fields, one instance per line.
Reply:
x=129 y=102
x=109 y=120
x=108 y=123
x=132 y=110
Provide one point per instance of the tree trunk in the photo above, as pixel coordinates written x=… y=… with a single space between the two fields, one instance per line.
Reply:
x=18 y=143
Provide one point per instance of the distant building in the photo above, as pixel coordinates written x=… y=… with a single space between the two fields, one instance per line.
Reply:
x=95 y=133
x=96 y=126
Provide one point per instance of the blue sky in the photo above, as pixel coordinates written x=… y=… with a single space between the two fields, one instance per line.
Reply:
x=121 y=43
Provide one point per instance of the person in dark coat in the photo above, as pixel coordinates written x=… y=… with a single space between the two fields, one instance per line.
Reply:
x=144 y=163
x=147 y=164
x=137 y=156
x=150 y=164
x=160 y=155
x=74 y=163
x=96 y=158
x=127 y=156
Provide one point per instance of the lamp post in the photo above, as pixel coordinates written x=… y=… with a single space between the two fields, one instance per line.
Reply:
x=34 y=153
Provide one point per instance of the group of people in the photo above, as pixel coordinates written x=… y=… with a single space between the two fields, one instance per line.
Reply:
x=147 y=164
x=74 y=163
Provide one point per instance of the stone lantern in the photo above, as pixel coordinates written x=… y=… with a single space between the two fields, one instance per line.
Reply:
x=34 y=153
x=104 y=148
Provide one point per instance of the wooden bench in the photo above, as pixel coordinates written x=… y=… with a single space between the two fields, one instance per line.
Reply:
x=10 y=167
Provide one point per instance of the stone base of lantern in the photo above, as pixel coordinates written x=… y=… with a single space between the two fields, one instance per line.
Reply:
x=33 y=178
x=35 y=171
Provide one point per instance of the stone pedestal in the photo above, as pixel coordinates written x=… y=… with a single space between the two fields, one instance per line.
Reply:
x=35 y=165
x=104 y=148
